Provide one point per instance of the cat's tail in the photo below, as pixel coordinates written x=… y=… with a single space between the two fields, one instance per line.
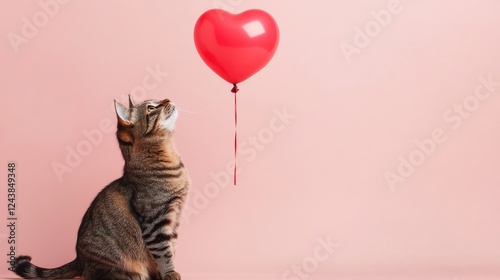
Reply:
x=27 y=270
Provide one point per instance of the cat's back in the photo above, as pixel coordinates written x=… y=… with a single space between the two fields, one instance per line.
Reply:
x=112 y=204
x=115 y=194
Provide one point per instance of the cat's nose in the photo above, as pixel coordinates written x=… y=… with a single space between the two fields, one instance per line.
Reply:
x=165 y=101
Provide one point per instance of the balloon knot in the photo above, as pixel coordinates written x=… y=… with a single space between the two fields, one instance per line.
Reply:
x=235 y=88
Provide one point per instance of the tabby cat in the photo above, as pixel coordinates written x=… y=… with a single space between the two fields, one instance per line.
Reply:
x=130 y=229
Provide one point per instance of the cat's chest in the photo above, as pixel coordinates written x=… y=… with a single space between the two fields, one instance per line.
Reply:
x=154 y=194
x=156 y=198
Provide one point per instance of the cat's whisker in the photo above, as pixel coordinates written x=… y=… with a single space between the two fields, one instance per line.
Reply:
x=185 y=101
x=181 y=106
x=186 y=111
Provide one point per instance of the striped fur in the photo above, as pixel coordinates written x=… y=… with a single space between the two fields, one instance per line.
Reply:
x=130 y=229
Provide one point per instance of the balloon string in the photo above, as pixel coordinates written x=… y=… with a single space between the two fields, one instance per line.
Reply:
x=235 y=90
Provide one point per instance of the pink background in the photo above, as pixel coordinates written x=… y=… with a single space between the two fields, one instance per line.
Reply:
x=319 y=175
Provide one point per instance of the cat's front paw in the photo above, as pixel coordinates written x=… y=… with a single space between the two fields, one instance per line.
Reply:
x=172 y=275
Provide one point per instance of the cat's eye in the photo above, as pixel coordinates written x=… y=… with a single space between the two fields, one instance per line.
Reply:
x=151 y=108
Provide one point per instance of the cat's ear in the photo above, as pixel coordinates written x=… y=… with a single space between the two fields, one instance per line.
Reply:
x=130 y=102
x=122 y=115
x=124 y=132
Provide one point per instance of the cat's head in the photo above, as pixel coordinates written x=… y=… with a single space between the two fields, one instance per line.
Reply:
x=150 y=120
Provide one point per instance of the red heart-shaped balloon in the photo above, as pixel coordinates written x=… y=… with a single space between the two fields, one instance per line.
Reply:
x=236 y=46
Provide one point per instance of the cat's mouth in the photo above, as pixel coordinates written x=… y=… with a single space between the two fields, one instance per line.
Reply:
x=171 y=116
x=167 y=106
